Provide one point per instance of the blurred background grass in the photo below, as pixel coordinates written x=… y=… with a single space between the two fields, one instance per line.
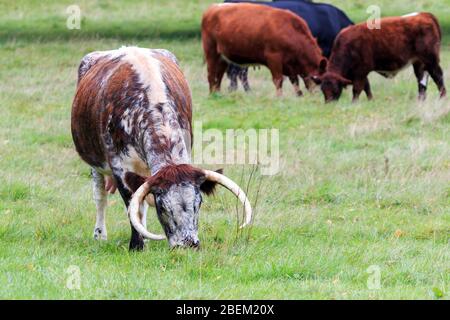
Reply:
x=45 y=20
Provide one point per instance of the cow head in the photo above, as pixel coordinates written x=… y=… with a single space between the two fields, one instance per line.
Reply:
x=177 y=197
x=331 y=85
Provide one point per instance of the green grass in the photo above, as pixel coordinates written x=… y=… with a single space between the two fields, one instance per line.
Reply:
x=336 y=208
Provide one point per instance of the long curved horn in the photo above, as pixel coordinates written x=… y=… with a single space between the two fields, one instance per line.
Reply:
x=235 y=189
x=133 y=212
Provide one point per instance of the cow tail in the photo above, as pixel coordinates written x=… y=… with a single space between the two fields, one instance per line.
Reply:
x=436 y=22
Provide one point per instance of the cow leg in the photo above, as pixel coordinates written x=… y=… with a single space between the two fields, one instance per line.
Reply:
x=211 y=77
x=216 y=71
x=232 y=74
x=436 y=74
x=243 y=76
x=219 y=71
x=215 y=65
x=276 y=69
x=295 y=84
x=422 y=79
x=309 y=84
x=358 y=87
x=101 y=202
x=136 y=241
x=367 y=89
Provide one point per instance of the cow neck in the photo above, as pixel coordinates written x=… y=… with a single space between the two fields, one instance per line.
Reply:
x=165 y=142
x=340 y=63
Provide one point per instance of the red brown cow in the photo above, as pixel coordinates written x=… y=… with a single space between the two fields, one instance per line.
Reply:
x=246 y=34
x=412 y=39
x=131 y=122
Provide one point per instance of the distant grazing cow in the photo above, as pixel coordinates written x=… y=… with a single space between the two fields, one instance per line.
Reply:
x=324 y=20
x=131 y=122
x=248 y=34
x=412 y=39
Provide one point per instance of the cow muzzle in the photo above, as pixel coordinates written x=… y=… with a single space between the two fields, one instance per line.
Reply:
x=187 y=242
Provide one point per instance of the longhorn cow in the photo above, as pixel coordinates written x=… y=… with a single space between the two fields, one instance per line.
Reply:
x=131 y=122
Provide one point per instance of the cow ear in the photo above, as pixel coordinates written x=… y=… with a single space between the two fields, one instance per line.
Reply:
x=208 y=187
x=316 y=79
x=133 y=180
x=323 y=65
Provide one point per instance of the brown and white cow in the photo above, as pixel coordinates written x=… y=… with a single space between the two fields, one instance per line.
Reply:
x=131 y=122
x=249 y=34
x=400 y=41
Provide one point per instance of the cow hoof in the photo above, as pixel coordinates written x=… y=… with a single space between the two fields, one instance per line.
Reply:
x=136 y=242
x=100 y=234
x=136 y=246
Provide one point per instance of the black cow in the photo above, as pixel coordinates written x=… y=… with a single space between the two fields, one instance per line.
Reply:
x=324 y=20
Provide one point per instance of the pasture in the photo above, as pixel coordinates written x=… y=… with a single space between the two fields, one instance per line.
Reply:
x=360 y=185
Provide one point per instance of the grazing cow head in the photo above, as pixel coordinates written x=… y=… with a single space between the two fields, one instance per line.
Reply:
x=331 y=85
x=177 y=197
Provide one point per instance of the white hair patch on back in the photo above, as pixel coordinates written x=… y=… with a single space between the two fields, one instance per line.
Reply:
x=148 y=69
x=410 y=15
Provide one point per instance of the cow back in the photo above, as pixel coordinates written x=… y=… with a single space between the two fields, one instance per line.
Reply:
x=121 y=95
x=324 y=20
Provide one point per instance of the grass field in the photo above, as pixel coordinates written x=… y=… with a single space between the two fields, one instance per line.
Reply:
x=360 y=185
